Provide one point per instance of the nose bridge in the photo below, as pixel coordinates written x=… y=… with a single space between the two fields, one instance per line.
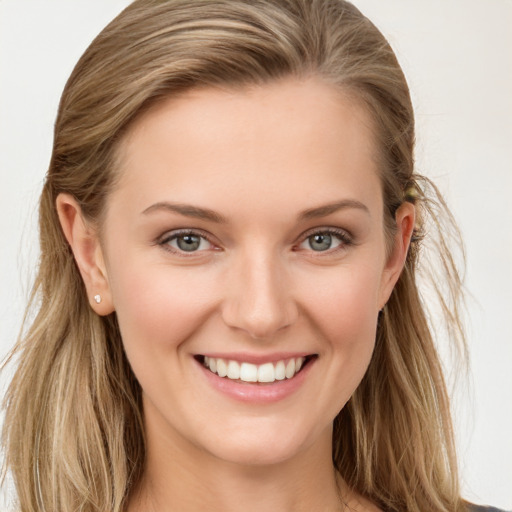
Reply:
x=259 y=299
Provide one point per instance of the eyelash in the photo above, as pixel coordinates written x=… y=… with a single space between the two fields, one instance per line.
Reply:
x=343 y=236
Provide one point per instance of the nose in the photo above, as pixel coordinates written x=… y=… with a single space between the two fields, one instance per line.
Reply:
x=258 y=297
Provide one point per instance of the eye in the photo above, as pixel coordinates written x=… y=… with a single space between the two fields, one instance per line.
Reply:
x=186 y=242
x=325 y=240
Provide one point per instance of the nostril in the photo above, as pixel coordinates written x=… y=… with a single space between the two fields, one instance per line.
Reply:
x=259 y=323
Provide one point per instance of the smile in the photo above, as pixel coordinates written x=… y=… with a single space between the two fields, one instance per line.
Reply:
x=248 y=372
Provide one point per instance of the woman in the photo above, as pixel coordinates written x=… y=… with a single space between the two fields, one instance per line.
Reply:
x=230 y=229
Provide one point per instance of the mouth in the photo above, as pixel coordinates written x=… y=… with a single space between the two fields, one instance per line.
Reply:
x=266 y=373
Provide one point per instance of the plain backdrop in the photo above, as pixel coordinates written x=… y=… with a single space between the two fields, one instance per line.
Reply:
x=457 y=55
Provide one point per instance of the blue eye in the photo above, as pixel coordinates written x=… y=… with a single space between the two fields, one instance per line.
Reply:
x=322 y=241
x=187 y=242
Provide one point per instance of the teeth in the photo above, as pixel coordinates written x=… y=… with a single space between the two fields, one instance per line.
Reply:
x=280 y=371
x=222 y=368
x=290 y=369
x=266 y=373
x=233 y=370
x=248 y=372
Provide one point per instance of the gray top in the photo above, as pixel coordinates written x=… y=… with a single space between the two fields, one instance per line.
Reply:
x=482 y=508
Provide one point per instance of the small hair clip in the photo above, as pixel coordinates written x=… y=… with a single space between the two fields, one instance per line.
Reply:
x=411 y=193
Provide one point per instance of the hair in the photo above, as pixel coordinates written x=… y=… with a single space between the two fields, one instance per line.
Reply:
x=73 y=431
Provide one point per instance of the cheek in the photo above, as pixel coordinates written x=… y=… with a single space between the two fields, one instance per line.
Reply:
x=344 y=310
x=347 y=297
x=158 y=307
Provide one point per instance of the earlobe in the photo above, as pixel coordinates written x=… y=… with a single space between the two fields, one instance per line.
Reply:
x=85 y=245
x=405 y=220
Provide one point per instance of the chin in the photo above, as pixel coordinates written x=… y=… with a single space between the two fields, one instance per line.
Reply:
x=256 y=455
x=266 y=446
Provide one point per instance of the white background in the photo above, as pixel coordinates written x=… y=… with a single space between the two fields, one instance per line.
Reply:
x=457 y=55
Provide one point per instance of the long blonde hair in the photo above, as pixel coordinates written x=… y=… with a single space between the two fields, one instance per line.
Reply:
x=73 y=430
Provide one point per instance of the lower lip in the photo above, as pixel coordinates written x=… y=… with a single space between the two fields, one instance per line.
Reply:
x=257 y=393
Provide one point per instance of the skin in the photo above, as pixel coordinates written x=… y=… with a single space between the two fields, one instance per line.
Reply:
x=261 y=158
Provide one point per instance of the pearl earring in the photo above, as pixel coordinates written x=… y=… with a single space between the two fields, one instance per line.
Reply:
x=97 y=299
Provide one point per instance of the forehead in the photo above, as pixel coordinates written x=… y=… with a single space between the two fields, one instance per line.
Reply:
x=292 y=136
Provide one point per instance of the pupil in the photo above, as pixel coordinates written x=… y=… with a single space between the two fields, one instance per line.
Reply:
x=320 y=242
x=188 y=242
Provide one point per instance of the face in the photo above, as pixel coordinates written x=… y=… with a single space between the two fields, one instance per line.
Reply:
x=246 y=261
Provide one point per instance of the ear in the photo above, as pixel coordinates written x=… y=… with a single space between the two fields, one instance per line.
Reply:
x=85 y=244
x=405 y=220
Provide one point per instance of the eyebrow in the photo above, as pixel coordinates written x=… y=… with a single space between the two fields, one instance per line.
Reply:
x=187 y=210
x=328 y=209
x=196 y=212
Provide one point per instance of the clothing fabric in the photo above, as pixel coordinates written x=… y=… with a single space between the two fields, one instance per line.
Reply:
x=481 y=508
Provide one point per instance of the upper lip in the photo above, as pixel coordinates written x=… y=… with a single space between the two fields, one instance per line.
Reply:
x=245 y=357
